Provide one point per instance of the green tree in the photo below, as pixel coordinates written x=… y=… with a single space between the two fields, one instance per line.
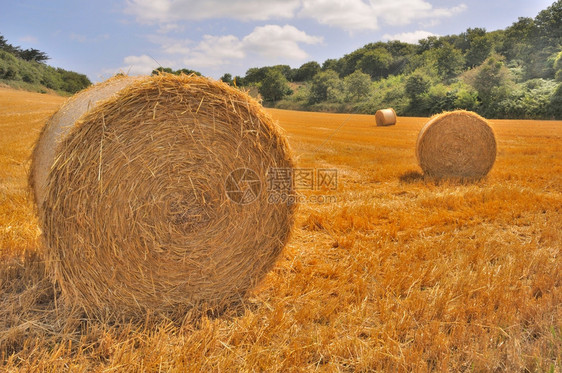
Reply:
x=440 y=98
x=306 y=72
x=558 y=67
x=467 y=99
x=549 y=22
x=349 y=63
x=30 y=72
x=33 y=55
x=255 y=75
x=73 y=82
x=556 y=103
x=325 y=85
x=449 y=61
x=238 y=81
x=479 y=46
x=227 y=78
x=285 y=70
x=9 y=67
x=357 y=85
x=492 y=80
x=375 y=63
x=416 y=88
x=516 y=41
x=542 y=40
x=332 y=64
x=187 y=72
x=169 y=70
x=52 y=79
x=274 y=86
x=429 y=43
x=7 y=47
x=400 y=49
x=161 y=69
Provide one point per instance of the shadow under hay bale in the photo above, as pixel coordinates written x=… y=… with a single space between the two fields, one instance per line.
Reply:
x=385 y=117
x=411 y=177
x=130 y=180
x=458 y=144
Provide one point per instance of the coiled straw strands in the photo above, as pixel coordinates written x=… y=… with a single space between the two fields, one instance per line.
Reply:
x=456 y=144
x=132 y=180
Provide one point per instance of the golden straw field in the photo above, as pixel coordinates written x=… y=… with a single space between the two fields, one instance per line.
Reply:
x=388 y=271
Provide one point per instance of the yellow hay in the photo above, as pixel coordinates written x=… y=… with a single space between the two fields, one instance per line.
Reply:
x=157 y=197
x=456 y=144
x=385 y=117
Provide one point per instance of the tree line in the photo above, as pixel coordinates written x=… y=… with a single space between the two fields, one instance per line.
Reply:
x=510 y=73
x=28 y=66
x=31 y=54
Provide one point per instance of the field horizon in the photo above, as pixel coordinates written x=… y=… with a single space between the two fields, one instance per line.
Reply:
x=386 y=270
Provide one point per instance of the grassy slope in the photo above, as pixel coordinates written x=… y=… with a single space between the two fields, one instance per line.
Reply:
x=30 y=87
x=399 y=273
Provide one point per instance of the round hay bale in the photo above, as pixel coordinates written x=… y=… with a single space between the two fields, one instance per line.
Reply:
x=456 y=144
x=145 y=207
x=60 y=124
x=385 y=117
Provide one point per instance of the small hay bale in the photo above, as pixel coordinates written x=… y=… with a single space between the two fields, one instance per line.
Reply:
x=385 y=117
x=134 y=199
x=456 y=144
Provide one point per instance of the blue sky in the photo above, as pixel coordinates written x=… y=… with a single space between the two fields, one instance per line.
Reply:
x=100 y=38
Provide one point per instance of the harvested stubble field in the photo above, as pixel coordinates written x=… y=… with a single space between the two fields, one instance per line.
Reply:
x=390 y=272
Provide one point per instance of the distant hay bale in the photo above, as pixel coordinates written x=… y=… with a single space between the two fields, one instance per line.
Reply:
x=456 y=144
x=152 y=195
x=385 y=117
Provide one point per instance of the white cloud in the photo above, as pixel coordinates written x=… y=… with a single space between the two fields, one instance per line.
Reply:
x=140 y=65
x=353 y=15
x=166 y=11
x=279 y=43
x=409 y=37
x=403 y=12
x=28 y=39
x=349 y=15
x=215 y=51
x=171 y=45
x=272 y=41
x=450 y=12
x=170 y=27
x=137 y=65
x=176 y=47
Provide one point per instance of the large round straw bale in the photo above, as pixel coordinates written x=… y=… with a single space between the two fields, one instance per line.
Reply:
x=61 y=123
x=456 y=144
x=385 y=117
x=157 y=197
